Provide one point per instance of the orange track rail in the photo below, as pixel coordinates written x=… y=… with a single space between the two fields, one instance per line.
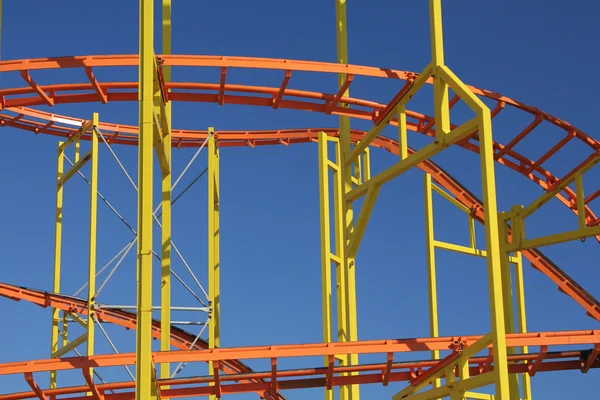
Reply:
x=180 y=339
x=126 y=134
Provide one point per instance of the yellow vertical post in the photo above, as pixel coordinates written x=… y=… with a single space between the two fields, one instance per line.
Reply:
x=214 y=333
x=522 y=317
x=92 y=238
x=431 y=272
x=508 y=305
x=60 y=166
x=165 y=295
x=144 y=367
x=402 y=136
x=325 y=245
x=440 y=88
x=349 y=332
x=65 y=330
x=493 y=255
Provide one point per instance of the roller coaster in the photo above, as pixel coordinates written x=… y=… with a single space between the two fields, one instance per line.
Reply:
x=458 y=366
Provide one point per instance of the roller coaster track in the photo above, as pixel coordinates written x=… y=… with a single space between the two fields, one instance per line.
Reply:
x=15 y=113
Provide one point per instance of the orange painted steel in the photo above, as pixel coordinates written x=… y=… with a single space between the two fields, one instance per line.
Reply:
x=311 y=101
x=127 y=134
x=180 y=339
x=319 y=376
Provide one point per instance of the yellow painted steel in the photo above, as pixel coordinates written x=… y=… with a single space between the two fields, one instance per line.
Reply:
x=348 y=331
x=522 y=317
x=92 y=238
x=580 y=200
x=57 y=254
x=431 y=270
x=326 y=259
x=145 y=388
x=440 y=88
x=165 y=295
x=214 y=291
x=494 y=256
x=70 y=346
x=402 y=132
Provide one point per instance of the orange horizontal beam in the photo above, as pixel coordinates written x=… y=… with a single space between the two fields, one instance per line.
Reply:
x=311 y=377
x=588 y=337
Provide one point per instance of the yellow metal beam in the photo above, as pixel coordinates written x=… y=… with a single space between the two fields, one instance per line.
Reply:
x=92 y=237
x=57 y=253
x=494 y=254
x=431 y=271
x=402 y=132
x=74 y=344
x=165 y=295
x=348 y=331
x=425 y=153
x=76 y=167
x=214 y=291
x=440 y=88
x=522 y=318
x=325 y=215
x=145 y=389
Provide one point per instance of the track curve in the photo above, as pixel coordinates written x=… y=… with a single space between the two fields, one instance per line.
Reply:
x=180 y=338
x=191 y=138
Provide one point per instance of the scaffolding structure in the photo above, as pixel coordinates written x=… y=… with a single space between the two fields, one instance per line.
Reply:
x=348 y=191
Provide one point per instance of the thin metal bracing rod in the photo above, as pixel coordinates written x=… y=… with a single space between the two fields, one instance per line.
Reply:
x=115 y=157
x=110 y=342
x=112 y=271
x=102 y=269
x=155 y=218
x=208 y=136
x=186 y=188
x=182 y=365
x=135 y=233
x=113 y=209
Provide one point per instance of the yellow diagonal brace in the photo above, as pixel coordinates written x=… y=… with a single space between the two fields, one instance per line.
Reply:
x=74 y=344
x=76 y=167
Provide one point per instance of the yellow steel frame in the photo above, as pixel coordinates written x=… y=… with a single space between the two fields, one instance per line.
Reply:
x=433 y=244
x=62 y=178
x=444 y=79
x=519 y=214
x=165 y=110
x=214 y=332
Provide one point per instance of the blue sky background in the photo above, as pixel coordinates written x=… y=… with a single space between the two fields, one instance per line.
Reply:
x=539 y=52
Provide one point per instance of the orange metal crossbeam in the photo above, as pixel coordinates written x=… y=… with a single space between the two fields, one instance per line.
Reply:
x=96 y=395
x=47 y=99
x=222 y=86
x=90 y=74
x=34 y=386
x=591 y=359
x=430 y=373
x=537 y=120
x=333 y=104
x=592 y=197
x=563 y=142
x=280 y=93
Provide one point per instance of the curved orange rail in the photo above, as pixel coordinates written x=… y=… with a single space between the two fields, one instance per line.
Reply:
x=126 y=134
x=180 y=339
x=279 y=97
x=243 y=380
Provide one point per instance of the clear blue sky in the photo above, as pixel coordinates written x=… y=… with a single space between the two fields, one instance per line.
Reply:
x=539 y=52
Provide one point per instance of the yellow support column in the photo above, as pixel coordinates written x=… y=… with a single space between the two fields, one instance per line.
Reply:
x=214 y=333
x=165 y=295
x=349 y=330
x=57 y=254
x=92 y=238
x=522 y=316
x=494 y=262
x=325 y=245
x=431 y=272
x=440 y=88
x=507 y=296
x=144 y=366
